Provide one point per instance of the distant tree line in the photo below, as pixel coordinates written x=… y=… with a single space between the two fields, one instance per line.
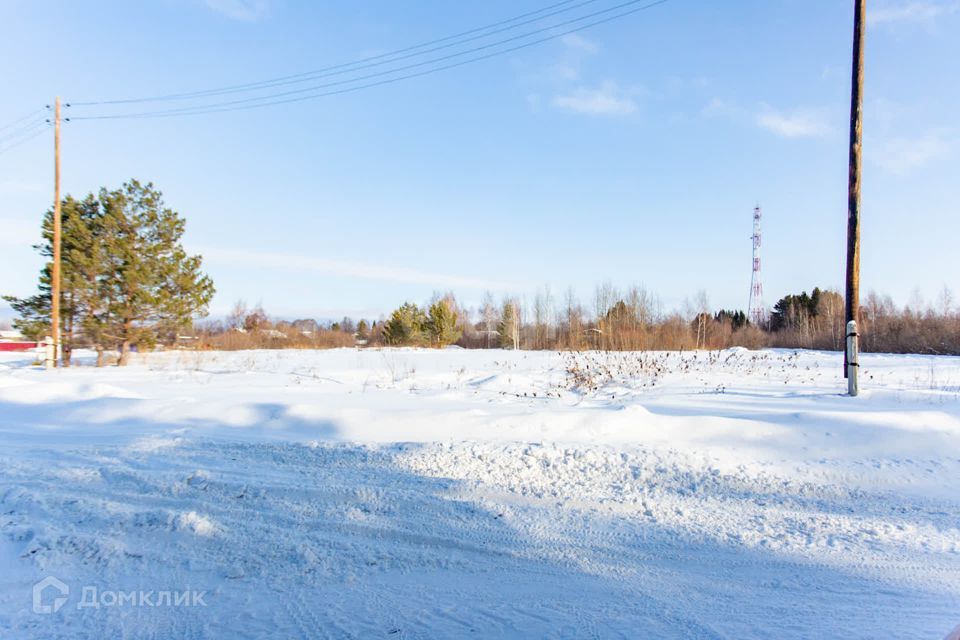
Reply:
x=629 y=320
x=634 y=320
x=128 y=283
x=616 y=320
x=253 y=328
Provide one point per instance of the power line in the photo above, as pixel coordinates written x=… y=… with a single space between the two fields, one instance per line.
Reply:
x=257 y=102
x=41 y=128
x=19 y=120
x=25 y=128
x=273 y=96
x=363 y=63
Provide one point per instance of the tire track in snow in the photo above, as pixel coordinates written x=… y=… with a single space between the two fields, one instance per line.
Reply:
x=311 y=521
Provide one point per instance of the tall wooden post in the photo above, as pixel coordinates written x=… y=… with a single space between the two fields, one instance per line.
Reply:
x=853 y=194
x=55 y=271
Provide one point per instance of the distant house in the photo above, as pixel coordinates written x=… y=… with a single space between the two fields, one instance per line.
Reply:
x=187 y=342
x=13 y=340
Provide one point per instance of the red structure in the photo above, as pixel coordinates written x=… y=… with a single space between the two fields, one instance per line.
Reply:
x=18 y=346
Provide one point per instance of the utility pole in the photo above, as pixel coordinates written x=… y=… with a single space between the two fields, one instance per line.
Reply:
x=55 y=271
x=853 y=195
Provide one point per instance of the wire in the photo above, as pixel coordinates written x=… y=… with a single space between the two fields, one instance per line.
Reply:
x=315 y=75
x=397 y=69
x=341 y=68
x=20 y=142
x=272 y=99
x=19 y=131
x=19 y=120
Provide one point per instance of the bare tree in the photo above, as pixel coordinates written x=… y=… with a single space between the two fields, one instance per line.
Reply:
x=573 y=324
x=542 y=313
x=237 y=314
x=490 y=317
x=604 y=297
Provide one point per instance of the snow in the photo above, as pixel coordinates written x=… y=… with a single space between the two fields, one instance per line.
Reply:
x=408 y=493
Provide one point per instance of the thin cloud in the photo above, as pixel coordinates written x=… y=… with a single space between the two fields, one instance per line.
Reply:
x=606 y=100
x=579 y=43
x=348 y=269
x=919 y=12
x=243 y=10
x=901 y=156
x=721 y=107
x=798 y=123
x=568 y=65
x=565 y=72
x=787 y=123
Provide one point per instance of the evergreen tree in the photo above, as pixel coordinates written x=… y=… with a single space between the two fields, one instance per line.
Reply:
x=619 y=317
x=363 y=331
x=152 y=287
x=796 y=311
x=81 y=265
x=125 y=277
x=442 y=323
x=33 y=313
x=737 y=319
x=509 y=327
x=405 y=326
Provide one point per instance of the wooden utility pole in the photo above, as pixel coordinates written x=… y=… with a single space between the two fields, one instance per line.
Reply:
x=55 y=271
x=853 y=195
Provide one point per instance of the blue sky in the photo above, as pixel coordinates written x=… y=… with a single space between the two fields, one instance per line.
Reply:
x=631 y=152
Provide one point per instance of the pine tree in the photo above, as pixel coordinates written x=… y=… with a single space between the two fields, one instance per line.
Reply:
x=153 y=287
x=618 y=317
x=81 y=264
x=737 y=319
x=442 y=323
x=405 y=326
x=33 y=314
x=363 y=330
x=125 y=277
x=509 y=328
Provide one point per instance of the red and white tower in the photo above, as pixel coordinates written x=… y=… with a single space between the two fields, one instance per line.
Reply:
x=756 y=312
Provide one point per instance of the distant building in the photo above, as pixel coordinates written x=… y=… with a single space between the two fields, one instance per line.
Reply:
x=13 y=340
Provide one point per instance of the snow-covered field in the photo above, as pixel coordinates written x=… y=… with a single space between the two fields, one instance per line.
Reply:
x=421 y=494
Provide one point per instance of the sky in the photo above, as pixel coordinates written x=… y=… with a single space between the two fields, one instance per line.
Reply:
x=632 y=152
